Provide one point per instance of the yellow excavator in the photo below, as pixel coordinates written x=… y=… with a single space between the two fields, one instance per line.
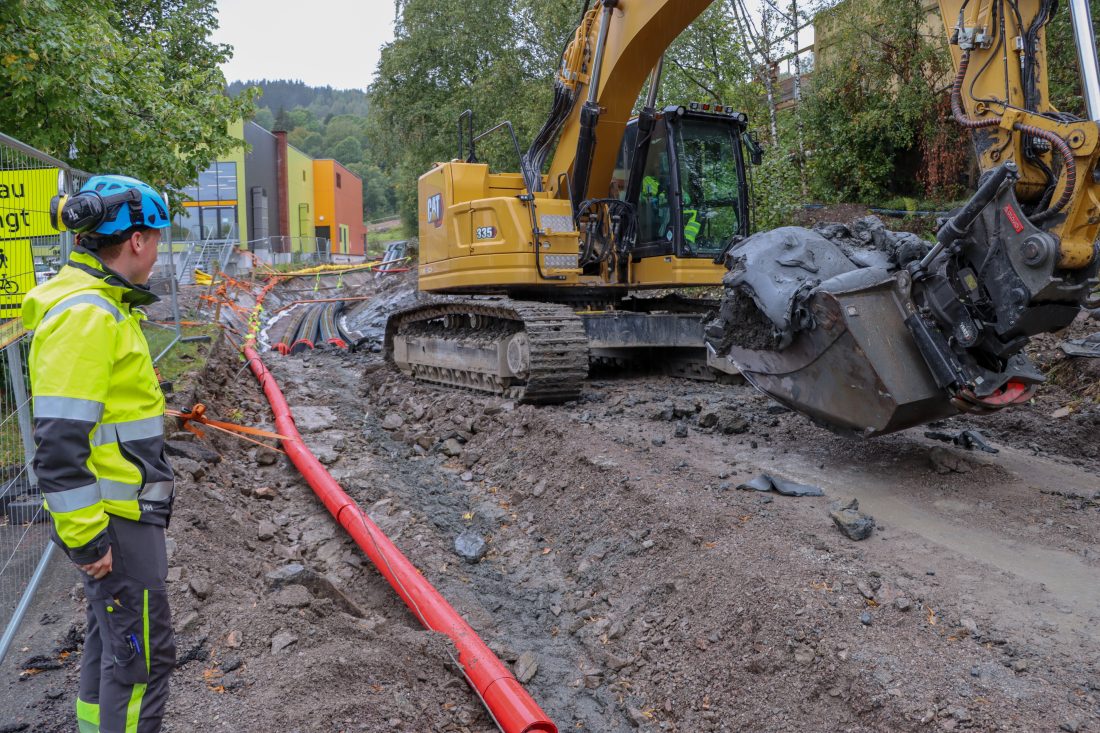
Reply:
x=535 y=270
x=539 y=268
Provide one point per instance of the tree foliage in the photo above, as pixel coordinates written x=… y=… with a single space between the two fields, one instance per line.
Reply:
x=496 y=59
x=868 y=110
x=126 y=86
x=1065 y=78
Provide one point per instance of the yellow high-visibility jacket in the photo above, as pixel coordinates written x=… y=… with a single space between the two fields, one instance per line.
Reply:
x=98 y=406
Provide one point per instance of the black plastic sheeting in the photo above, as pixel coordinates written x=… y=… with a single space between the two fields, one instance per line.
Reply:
x=317 y=326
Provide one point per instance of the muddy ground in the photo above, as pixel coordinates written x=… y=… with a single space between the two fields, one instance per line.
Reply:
x=626 y=578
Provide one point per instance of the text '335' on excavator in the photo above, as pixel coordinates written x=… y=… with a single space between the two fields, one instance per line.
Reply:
x=864 y=336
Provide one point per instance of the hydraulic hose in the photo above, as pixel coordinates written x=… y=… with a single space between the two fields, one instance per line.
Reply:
x=957 y=110
x=513 y=710
x=1055 y=140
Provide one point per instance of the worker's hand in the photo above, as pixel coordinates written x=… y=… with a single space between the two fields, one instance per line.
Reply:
x=99 y=569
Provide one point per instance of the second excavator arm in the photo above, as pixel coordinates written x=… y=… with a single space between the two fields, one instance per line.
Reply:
x=875 y=337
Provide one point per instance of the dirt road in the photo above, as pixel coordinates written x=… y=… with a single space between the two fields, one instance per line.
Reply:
x=627 y=579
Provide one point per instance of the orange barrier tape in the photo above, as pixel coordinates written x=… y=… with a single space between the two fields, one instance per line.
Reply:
x=198 y=414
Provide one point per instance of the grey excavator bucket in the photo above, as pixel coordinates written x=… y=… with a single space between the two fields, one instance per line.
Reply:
x=833 y=342
x=859 y=371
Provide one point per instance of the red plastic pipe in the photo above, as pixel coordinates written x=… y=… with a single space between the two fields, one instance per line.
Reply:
x=509 y=704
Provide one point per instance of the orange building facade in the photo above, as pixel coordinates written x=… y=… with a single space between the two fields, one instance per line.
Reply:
x=338 y=197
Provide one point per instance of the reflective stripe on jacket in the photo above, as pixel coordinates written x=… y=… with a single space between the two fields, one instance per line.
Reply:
x=98 y=407
x=692 y=225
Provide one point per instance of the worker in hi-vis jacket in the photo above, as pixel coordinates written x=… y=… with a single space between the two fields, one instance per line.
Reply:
x=99 y=432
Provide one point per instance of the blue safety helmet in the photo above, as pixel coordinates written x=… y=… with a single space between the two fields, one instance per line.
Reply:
x=110 y=204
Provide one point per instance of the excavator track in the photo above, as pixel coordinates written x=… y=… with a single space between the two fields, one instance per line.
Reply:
x=527 y=351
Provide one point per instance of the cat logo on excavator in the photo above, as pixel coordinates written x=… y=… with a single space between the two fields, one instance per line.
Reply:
x=435 y=209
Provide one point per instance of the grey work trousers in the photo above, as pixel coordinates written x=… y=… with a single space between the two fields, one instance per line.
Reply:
x=129 y=649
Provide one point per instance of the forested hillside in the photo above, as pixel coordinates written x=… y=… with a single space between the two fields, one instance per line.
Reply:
x=326 y=123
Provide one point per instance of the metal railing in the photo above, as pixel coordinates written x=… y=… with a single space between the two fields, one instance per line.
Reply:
x=296 y=250
x=211 y=257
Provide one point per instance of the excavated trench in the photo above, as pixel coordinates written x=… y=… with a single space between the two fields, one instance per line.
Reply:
x=624 y=578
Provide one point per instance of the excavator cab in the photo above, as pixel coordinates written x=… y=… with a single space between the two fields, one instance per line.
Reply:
x=690 y=173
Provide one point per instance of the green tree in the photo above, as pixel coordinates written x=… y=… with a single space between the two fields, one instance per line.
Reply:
x=106 y=85
x=341 y=127
x=264 y=118
x=452 y=55
x=307 y=141
x=347 y=151
x=868 y=111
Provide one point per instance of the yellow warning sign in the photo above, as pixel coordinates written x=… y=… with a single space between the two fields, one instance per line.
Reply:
x=25 y=203
x=16 y=275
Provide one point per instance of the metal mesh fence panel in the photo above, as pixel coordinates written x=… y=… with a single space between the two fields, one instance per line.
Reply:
x=31 y=252
x=24 y=524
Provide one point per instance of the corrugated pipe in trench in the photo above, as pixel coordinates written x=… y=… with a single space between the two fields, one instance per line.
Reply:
x=513 y=710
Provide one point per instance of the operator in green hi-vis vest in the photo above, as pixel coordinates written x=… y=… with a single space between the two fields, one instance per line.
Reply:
x=99 y=432
x=651 y=189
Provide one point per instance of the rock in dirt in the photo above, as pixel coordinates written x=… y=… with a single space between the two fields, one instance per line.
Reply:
x=313 y=418
x=452 y=448
x=708 y=418
x=265 y=492
x=945 y=461
x=848 y=519
x=470 y=546
x=193 y=450
x=266 y=530
x=186 y=622
x=526 y=667
x=392 y=421
x=681 y=431
x=317 y=584
x=731 y=422
x=293 y=596
x=865 y=618
x=767 y=482
x=201 y=587
x=902 y=603
x=266 y=457
x=282 y=640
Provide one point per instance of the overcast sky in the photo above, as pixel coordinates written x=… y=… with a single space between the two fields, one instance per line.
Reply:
x=322 y=42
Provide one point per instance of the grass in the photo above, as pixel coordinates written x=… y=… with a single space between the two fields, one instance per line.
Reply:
x=377 y=241
x=905 y=203
x=184 y=357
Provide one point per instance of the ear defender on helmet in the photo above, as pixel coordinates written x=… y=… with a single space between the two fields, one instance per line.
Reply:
x=108 y=205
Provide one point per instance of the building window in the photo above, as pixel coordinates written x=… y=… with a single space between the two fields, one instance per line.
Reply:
x=217 y=183
x=210 y=207
x=227 y=181
x=338 y=180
